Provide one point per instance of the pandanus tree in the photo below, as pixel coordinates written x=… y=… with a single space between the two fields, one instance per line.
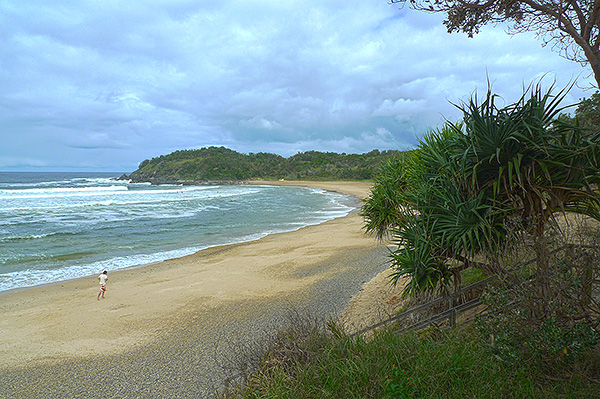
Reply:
x=474 y=188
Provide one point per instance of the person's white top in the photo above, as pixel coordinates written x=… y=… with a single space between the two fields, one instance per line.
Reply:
x=103 y=277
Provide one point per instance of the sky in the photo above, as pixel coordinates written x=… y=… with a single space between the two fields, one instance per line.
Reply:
x=101 y=85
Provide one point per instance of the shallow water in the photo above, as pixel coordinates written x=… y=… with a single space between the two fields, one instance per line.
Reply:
x=60 y=226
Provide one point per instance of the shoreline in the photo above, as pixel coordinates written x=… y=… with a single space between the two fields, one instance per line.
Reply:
x=300 y=183
x=64 y=322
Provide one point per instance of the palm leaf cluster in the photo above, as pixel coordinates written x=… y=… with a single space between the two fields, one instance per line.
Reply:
x=457 y=200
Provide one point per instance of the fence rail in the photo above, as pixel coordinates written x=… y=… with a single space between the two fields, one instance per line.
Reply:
x=449 y=314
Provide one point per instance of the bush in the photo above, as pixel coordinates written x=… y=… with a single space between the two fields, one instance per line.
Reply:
x=457 y=363
x=516 y=336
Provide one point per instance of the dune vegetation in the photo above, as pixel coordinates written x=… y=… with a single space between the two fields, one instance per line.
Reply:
x=507 y=191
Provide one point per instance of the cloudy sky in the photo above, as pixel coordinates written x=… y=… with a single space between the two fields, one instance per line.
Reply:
x=104 y=84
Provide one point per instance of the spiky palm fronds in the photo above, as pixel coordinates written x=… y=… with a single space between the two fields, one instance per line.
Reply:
x=383 y=207
x=516 y=162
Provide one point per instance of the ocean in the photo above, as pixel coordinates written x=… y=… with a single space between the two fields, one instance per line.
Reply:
x=61 y=226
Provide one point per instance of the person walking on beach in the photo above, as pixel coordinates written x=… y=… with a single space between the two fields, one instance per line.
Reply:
x=103 y=278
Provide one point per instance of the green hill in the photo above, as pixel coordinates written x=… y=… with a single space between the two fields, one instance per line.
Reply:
x=222 y=164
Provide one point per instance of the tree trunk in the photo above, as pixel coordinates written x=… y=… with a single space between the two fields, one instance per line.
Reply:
x=594 y=60
x=591 y=53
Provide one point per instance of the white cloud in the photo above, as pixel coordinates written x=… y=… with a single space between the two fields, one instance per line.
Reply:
x=259 y=122
x=401 y=109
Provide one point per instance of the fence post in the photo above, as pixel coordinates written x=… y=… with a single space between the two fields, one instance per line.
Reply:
x=452 y=311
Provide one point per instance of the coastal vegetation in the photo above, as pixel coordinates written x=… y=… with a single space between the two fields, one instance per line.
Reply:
x=502 y=186
x=474 y=191
x=223 y=164
x=314 y=362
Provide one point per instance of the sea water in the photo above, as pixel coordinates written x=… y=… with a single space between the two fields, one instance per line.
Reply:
x=61 y=226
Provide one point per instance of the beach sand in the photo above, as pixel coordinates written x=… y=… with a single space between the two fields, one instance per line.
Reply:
x=154 y=315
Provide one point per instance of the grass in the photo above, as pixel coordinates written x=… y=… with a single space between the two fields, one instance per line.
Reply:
x=313 y=362
x=471 y=275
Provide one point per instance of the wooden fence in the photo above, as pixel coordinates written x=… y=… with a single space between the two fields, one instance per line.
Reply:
x=454 y=309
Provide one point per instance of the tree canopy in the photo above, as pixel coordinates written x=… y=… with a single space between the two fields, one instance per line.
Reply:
x=588 y=112
x=571 y=27
x=223 y=164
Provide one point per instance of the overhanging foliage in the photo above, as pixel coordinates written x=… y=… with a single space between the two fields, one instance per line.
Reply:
x=571 y=27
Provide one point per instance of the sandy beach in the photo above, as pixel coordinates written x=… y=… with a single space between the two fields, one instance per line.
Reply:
x=186 y=301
